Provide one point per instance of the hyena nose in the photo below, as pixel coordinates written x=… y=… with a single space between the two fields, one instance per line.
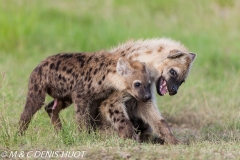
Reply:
x=173 y=90
x=147 y=97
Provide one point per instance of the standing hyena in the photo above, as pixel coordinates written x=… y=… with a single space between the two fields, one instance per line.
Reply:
x=83 y=79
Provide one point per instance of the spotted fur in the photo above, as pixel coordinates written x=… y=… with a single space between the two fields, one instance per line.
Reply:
x=81 y=79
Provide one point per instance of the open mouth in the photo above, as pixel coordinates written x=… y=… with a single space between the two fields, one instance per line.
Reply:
x=161 y=86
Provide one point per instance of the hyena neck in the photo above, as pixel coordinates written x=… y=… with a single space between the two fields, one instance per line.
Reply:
x=150 y=51
x=116 y=81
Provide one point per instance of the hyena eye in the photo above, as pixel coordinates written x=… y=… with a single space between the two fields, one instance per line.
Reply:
x=137 y=84
x=173 y=72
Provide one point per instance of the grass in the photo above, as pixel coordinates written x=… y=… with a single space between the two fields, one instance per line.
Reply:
x=206 y=109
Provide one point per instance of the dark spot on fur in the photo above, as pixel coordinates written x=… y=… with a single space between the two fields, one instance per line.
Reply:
x=122 y=121
x=35 y=87
x=58 y=63
x=96 y=59
x=90 y=70
x=95 y=72
x=81 y=60
x=110 y=112
x=116 y=111
x=160 y=49
x=89 y=78
x=52 y=65
x=66 y=56
x=79 y=96
x=104 y=103
x=69 y=71
x=149 y=52
x=59 y=76
x=103 y=77
x=89 y=59
x=64 y=79
x=82 y=74
x=64 y=68
x=76 y=76
x=111 y=105
x=114 y=120
x=89 y=85
x=81 y=56
x=99 y=82
x=46 y=64
x=108 y=71
x=101 y=65
x=72 y=82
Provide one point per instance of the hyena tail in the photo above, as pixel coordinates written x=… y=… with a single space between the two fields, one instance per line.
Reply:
x=35 y=100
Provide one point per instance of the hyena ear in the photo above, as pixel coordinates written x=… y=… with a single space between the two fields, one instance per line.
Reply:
x=177 y=54
x=144 y=66
x=192 y=56
x=123 y=67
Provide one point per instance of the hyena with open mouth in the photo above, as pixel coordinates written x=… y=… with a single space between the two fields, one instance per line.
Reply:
x=169 y=63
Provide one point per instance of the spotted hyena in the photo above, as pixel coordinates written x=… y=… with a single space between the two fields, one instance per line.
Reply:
x=82 y=79
x=169 y=63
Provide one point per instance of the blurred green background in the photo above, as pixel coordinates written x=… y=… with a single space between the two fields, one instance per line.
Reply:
x=207 y=106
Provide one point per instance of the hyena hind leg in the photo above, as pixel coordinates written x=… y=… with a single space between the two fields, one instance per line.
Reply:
x=113 y=111
x=54 y=112
x=34 y=102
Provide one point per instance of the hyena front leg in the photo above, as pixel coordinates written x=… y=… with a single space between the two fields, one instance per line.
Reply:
x=54 y=112
x=81 y=105
x=150 y=114
x=113 y=111
x=35 y=100
x=143 y=129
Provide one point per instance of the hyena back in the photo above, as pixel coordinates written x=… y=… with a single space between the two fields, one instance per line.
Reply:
x=82 y=79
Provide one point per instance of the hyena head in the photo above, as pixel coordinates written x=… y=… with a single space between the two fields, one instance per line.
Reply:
x=137 y=78
x=174 y=71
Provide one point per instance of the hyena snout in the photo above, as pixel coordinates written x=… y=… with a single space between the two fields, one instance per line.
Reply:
x=147 y=97
x=173 y=89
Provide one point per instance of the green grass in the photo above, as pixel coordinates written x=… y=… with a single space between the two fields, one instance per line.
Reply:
x=206 y=109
